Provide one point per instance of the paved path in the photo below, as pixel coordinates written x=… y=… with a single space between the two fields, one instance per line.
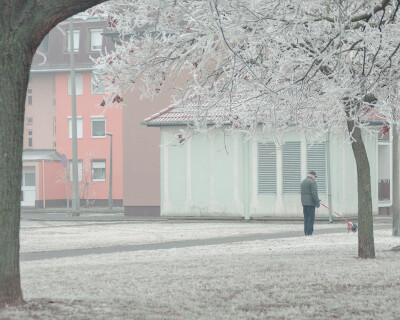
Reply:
x=31 y=256
x=92 y=216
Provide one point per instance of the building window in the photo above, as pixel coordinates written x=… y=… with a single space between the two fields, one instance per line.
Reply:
x=78 y=84
x=98 y=170
x=98 y=127
x=316 y=160
x=98 y=86
x=29 y=179
x=80 y=169
x=79 y=127
x=76 y=41
x=96 y=39
x=44 y=45
x=29 y=97
x=30 y=138
x=291 y=160
x=266 y=168
x=29 y=121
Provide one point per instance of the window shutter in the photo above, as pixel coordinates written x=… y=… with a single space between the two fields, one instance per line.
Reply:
x=316 y=160
x=291 y=157
x=98 y=164
x=266 y=168
x=98 y=170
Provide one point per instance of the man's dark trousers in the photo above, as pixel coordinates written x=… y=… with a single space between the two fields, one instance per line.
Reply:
x=309 y=217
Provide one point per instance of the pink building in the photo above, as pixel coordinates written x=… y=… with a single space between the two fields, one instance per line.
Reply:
x=93 y=122
x=39 y=140
x=136 y=153
x=47 y=123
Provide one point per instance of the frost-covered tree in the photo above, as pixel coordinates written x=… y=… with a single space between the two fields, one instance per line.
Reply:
x=265 y=66
x=23 y=25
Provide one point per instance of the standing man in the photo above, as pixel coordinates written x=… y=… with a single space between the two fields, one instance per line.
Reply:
x=309 y=200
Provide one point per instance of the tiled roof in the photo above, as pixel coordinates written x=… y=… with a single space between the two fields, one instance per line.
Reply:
x=167 y=115
x=174 y=115
x=177 y=114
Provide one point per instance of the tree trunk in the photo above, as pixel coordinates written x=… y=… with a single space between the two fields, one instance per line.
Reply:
x=14 y=74
x=366 y=247
x=396 y=182
x=23 y=25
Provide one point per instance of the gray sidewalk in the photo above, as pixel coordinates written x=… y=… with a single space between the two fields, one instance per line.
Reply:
x=85 y=216
x=32 y=256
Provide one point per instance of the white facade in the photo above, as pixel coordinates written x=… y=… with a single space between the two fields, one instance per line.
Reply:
x=217 y=175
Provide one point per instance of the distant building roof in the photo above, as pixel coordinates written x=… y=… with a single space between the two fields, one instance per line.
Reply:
x=52 y=56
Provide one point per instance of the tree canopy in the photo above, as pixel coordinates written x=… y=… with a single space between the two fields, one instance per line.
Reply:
x=310 y=63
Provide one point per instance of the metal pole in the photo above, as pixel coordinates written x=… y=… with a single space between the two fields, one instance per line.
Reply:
x=66 y=183
x=75 y=186
x=110 y=199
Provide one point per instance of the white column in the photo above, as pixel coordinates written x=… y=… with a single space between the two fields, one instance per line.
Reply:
x=236 y=181
x=189 y=201
x=390 y=170
x=212 y=169
x=254 y=173
x=165 y=173
x=246 y=176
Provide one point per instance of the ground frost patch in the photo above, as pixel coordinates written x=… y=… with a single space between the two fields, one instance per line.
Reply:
x=317 y=277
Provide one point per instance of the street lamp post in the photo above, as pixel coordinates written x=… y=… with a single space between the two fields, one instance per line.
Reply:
x=110 y=199
x=75 y=186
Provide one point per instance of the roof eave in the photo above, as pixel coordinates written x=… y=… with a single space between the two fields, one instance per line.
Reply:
x=165 y=124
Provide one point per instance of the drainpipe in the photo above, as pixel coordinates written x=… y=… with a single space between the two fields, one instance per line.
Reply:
x=328 y=169
x=44 y=195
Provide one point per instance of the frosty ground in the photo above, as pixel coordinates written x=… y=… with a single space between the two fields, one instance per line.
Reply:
x=318 y=277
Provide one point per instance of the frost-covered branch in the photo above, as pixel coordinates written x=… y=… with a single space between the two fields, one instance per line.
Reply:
x=269 y=65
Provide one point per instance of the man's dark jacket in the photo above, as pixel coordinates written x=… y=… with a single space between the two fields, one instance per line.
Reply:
x=309 y=193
